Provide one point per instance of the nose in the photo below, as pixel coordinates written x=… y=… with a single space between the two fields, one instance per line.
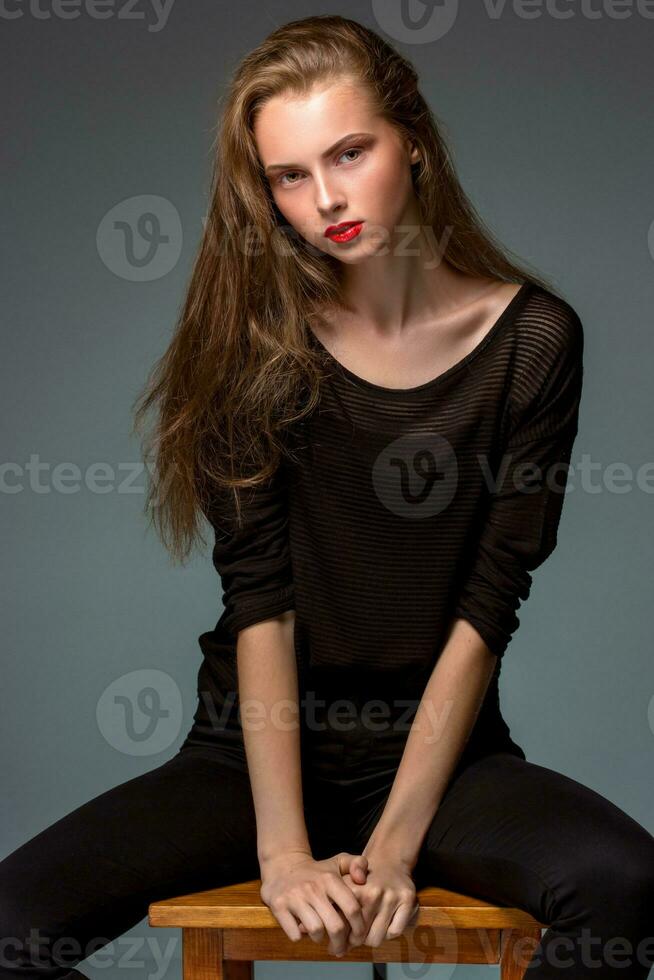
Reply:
x=328 y=197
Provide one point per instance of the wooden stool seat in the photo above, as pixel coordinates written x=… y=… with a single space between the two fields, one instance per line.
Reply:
x=225 y=930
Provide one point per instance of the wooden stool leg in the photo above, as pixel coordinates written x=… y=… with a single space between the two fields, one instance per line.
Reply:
x=202 y=957
x=202 y=954
x=517 y=948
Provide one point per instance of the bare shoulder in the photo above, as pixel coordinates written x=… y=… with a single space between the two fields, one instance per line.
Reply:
x=499 y=297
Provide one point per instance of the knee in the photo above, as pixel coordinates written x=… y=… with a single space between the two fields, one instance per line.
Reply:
x=631 y=870
x=616 y=880
x=27 y=945
x=635 y=889
x=10 y=887
x=15 y=927
x=27 y=937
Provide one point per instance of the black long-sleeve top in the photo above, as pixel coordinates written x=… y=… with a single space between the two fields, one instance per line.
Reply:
x=387 y=524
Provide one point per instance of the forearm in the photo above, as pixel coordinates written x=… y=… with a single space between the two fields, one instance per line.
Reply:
x=442 y=725
x=268 y=694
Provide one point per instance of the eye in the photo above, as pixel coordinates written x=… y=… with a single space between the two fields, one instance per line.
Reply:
x=353 y=149
x=280 y=179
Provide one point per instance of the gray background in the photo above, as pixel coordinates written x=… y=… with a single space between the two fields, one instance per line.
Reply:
x=549 y=123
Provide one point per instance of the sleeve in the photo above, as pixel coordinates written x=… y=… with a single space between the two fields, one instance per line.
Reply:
x=253 y=559
x=520 y=524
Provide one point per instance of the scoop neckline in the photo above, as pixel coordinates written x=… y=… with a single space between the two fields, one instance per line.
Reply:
x=505 y=315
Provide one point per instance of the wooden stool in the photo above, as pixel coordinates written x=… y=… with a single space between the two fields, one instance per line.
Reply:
x=224 y=930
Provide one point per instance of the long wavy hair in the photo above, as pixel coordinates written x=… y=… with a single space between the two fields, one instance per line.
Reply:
x=240 y=368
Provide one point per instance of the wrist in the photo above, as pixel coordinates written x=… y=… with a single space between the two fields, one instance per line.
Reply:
x=389 y=850
x=271 y=856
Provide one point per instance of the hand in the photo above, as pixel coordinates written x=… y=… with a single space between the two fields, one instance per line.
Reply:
x=295 y=886
x=387 y=898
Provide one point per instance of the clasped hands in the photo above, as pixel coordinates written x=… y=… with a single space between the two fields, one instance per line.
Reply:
x=356 y=899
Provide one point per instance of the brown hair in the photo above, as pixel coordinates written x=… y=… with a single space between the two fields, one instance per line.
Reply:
x=240 y=367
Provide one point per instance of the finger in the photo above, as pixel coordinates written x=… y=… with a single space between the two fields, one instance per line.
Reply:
x=355 y=939
x=288 y=923
x=359 y=869
x=352 y=942
x=353 y=864
x=370 y=902
x=369 y=908
x=379 y=927
x=400 y=920
x=349 y=905
x=336 y=923
x=309 y=918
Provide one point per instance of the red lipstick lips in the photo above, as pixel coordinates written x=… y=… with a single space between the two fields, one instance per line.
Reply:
x=344 y=232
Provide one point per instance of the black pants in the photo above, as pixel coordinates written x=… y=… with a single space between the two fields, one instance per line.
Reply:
x=507 y=830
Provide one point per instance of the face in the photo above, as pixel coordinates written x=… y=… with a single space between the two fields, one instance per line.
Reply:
x=329 y=160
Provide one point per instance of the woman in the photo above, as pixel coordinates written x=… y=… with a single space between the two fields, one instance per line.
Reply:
x=375 y=409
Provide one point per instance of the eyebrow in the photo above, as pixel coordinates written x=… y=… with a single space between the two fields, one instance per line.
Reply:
x=273 y=167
